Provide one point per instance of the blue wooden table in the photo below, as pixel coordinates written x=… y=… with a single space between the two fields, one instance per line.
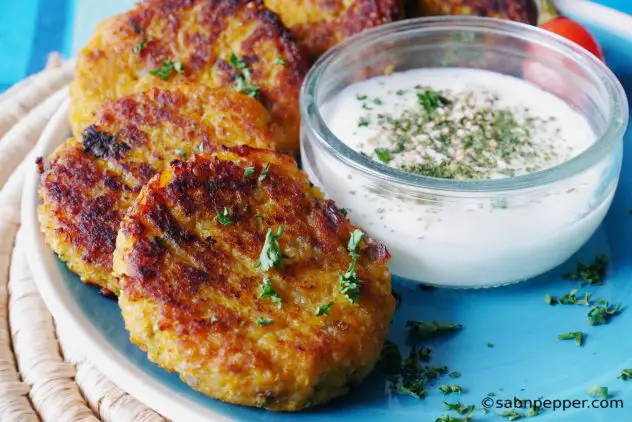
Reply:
x=31 y=29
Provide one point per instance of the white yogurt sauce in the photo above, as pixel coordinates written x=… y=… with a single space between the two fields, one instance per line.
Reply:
x=470 y=240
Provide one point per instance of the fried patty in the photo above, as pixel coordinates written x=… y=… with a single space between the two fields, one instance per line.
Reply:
x=87 y=183
x=517 y=10
x=236 y=43
x=194 y=255
x=321 y=24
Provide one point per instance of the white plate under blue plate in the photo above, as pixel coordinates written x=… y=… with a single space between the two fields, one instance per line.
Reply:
x=527 y=359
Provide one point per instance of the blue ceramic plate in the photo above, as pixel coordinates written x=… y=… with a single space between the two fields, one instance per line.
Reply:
x=526 y=360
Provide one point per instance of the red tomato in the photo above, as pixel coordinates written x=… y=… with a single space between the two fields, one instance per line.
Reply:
x=575 y=32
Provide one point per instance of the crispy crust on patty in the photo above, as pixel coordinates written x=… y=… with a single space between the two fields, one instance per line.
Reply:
x=321 y=24
x=201 y=35
x=87 y=184
x=190 y=285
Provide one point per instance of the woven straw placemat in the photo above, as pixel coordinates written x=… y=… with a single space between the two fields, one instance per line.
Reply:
x=43 y=373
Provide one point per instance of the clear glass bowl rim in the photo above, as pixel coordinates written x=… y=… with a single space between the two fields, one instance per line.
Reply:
x=617 y=119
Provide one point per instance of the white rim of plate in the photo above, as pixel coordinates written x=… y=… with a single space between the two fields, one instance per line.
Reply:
x=65 y=310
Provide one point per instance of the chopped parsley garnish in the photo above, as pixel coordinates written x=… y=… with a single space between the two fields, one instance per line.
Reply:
x=626 y=374
x=602 y=313
x=224 y=217
x=280 y=61
x=578 y=336
x=450 y=418
x=383 y=154
x=249 y=171
x=400 y=92
x=266 y=291
x=550 y=300
x=415 y=389
x=363 y=122
x=182 y=153
x=455 y=374
x=323 y=310
x=569 y=299
x=448 y=389
x=377 y=101
x=270 y=253
x=434 y=372
x=593 y=273
x=421 y=330
x=164 y=71
x=460 y=408
x=511 y=415
x=243 y=76
x=213 y=319
x=350 y=285
x=598 y=392
x=431 y=100
x=534 y=411
x=264 y=172
x=361 y=97
x=265 y=321
x=344 y=212
x=258 y=217
x=140 y=46
x=200 y=147
x=490 y=345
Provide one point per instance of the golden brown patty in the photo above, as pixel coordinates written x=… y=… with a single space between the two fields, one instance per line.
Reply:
x=517 y=10
x=193 y=40
x=87 y=184
x=191 y=288
x=321 y=24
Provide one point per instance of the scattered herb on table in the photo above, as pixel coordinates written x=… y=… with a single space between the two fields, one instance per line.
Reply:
x=455 y=374
x=415 y=389
x=597 y=391
x=490 y=345
x=578 y=336
x=533 y=412
x=391 y=358
x=460 y=408
x=626 y=374
x=602 y=313
x=594 y=273
x=421 y=330
x=448 y=389
x=451 y=418
x=511 y=415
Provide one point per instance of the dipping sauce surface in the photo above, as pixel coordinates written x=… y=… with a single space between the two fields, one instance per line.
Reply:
x=464 y=124
x=457 y=123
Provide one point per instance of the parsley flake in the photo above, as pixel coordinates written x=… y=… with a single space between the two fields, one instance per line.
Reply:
x=415 y=389
x=323 y=310
x=450 y=418
x=265 y=321
x=243 y=76
x=602 y=313
x=139 y=48
x=421 y=330
x=264 y=172
x=177 y=66
x=383 y=154
x=266 y=291
x=460 y=408
x=270 y=253
x=626 y=374
x=455 y=374
x=431 y=100
x=249 y=171
x=448 y=389
x=165 y=70
x=280 y=61
x=350 y=285
x=391 y=358
x=354 y=241
x=224 y=217
x=511 y=415
x=593 y=274
x=598 y=392
x=182 y=153
x=363 y=122
x=578 y=336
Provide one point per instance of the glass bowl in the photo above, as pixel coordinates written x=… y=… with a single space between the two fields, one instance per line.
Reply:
x=471 y=233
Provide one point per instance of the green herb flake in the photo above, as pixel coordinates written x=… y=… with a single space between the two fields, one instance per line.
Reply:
x=454 y=374
x=451 y=418
x=258 y=217
x=213 y=319
x=460 y=408
x=377 y=101
x=224 y=217
x=511 y=415
x=593 y=274
x=550 y=300
x=249 y=171
x=243 y=76
x=139 y=48
x=265 y=321
x=361 y=97
x=164 y=71
x=280 y=61
x=182 y=153
x=350 y=285
x=578 y=336
x=626 y=374
x=602 y=313
x=431 y=100
x=421 y=330
x=246 y=88
x=354 y=241
x=383 y=154
x=448 y=389
x=323 y=310
x=264 y=172
x=534 y=411
x=344 y=212
x=270 y=253
x=391 y=358
x=266 y=291
x=363 y=122
x=598 y=392
x=490 y=345
x=415 y=389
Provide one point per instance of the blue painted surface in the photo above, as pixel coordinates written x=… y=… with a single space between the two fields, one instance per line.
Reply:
x=527 y=360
